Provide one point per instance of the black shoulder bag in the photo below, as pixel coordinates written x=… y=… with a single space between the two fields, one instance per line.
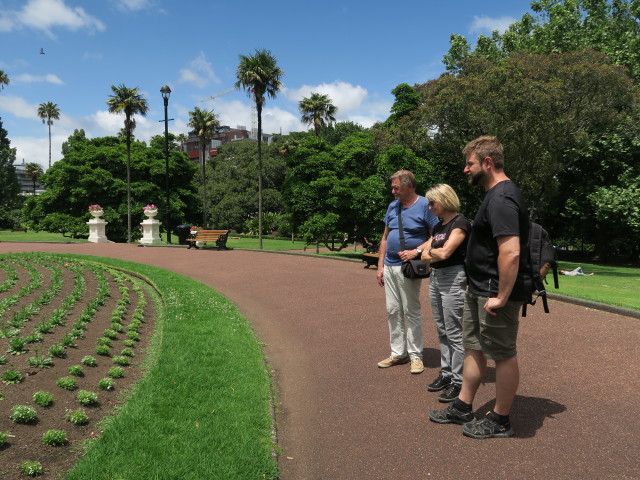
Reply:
x=412 y=269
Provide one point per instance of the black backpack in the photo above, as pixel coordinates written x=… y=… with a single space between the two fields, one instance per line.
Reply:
x=542 y=258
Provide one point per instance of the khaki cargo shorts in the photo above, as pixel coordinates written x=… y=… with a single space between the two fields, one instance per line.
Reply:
x=496 y=335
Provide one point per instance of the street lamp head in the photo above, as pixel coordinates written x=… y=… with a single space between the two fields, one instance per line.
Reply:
x=165 y=91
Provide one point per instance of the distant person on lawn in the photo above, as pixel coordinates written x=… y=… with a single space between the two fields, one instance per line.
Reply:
x=403 y=294
x=497 y=265
x=446 y=251
x=576 y=272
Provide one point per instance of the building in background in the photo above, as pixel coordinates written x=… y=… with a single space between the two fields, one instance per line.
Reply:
x=26 y=184
x=224 y=135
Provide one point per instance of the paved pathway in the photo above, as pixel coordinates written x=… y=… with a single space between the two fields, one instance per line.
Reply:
x=340 y=417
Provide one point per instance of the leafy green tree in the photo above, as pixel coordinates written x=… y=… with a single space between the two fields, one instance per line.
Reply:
x=260 y=76
x=49 y=112
x=34 y=172
x=335 y=133
x=407 y=100
x=130 y=102
x=4 y=79
x=9 y=193
x=233 y=186
x=204 y=124
x=317 y=110
x=93 y=171
x=611 y=27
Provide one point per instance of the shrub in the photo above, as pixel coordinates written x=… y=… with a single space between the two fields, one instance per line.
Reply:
x=68 y=383
x=67 y=341
x=40 y=361
x=57 y=351
x=106 y=384
x=104 y=341
x=76 y=371
x=55 y=438
x=87 y=398
x=133 y=336
x=110 y=334
x=12 y=377
x=3 y=360
x=116 y=327
x=120 y=360
x=103 y=350
x=43 y=399
x=3 y=438
x=129 y=343
x=17 y=345
x=127 y=352
x=116 y=372
x=23 y=414
x=32 y=469
x=89 y=361
x=77 y=417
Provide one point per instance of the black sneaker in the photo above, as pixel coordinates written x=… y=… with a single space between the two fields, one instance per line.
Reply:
x=439 y=383
x=450 y=394
x=451 y=415
x=487 y=428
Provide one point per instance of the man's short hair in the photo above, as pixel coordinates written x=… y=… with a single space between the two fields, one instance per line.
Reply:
x=484 y=147
x=445 y=196
x=405 y=177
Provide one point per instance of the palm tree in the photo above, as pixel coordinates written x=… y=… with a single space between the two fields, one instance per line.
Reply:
x=49 y=112
x=316 y=110
x=204 y=124
x=4 y=79
x=128 y=101
x=259 y=75
x=33 y=171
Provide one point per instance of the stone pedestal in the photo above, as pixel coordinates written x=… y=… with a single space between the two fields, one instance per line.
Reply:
x=150 y=231
x=96 y=230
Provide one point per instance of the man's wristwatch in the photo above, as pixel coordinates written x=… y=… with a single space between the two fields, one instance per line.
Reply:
x=419 y=251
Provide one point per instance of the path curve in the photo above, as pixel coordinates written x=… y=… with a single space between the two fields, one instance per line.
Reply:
x=340 y=417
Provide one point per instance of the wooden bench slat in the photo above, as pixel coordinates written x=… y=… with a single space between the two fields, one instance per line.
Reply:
x=218 y=236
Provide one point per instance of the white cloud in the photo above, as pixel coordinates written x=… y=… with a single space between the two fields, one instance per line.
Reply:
x=45 y=15
x=198 y=72
x=132 y=5
x=487 y=24
x=18 y=107
x=28 y=78
x=343 y=95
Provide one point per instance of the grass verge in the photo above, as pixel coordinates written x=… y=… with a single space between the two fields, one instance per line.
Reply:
x=30 y=236
x=202 y=409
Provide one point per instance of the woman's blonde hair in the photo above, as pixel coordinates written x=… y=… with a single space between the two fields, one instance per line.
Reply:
x=445 y=196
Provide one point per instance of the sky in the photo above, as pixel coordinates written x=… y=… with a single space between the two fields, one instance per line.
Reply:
x=355 y=51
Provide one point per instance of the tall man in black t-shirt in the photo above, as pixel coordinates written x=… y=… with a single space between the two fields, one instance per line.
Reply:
x=497 y=266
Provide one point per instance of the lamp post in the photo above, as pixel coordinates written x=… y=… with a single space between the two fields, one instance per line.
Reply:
x=166 y=91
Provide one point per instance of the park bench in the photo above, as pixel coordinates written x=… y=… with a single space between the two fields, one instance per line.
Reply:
x=218 y=236
x=18 y=229
x=370 y=259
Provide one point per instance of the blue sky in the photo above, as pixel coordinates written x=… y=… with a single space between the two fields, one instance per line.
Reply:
x=354 y=51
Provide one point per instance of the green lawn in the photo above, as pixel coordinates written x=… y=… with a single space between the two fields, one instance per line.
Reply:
x=31 y=236
x=618 y=286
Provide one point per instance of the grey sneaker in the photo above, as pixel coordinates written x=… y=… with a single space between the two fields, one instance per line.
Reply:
x=451 y=415
x=487 y=428
x=450 y=394
x=393 y=361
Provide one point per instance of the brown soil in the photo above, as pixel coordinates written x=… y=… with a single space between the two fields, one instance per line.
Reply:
x=25 y=442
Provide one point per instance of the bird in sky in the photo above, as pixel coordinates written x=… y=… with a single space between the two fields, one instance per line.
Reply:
x=42 y=51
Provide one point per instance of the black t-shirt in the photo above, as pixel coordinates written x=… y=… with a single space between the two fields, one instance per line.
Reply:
x=441 y=234
x=502 y=213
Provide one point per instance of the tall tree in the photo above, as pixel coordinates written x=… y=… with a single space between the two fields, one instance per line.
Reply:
x=317 y=110
x=4 y=79
x=130 y=102
x=49 y=112
x=204 y=124
x=33 y=171
x=259 y=75
x=10 y=186
x=407 y=100
x=608 y=26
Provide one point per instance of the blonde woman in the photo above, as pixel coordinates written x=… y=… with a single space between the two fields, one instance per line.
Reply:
x=446 y=251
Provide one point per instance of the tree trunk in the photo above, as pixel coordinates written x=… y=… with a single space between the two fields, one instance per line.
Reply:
x=259 y=109
x=128 y=187
x=49 y=123
x=204 y=187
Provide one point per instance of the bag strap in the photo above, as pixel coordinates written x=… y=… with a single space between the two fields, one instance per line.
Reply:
x=400 y=228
